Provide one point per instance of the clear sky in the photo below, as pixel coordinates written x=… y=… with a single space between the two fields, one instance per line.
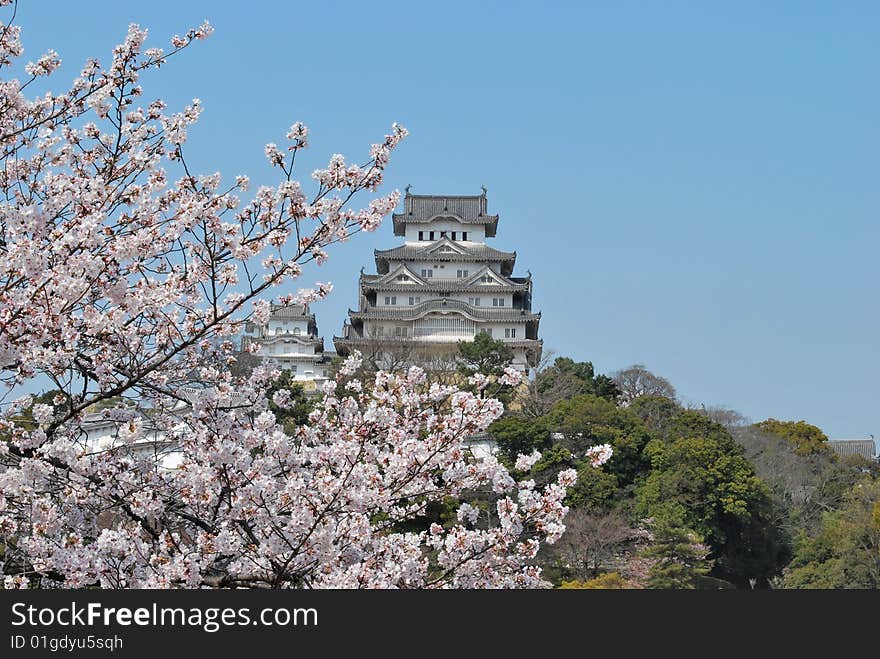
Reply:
x=693 y=187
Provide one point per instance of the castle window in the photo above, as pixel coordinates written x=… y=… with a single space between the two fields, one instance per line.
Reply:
x=461 y=274
x=390 y=300
x=421 y=235
x=431 y=235
x=464 y=235
x=442 y=234
x=509 y=332
x=427 y=272
x=414 y=300
x=297 y=331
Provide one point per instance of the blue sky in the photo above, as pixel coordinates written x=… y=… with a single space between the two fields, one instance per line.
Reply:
x=693 y=187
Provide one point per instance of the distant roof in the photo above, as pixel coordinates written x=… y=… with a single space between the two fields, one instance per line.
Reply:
x=290 y=311
x=467 y=209
x=847 y=447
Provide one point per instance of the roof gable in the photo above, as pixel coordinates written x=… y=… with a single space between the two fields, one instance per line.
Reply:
x=444 y=246
x=401 y=275
x=487 y=277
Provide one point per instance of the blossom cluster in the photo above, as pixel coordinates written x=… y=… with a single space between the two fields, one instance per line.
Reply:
x=125 y=277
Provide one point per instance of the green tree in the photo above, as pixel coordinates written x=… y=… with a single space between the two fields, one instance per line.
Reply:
x=585 y=375
x=707 y=484
x=516 y=434
x=487 y=356
x=483 y=355
x=296 y=412
x=679 y=555
x=805 y=437
x=561 y=380
x=587 y=420
x=846 y=551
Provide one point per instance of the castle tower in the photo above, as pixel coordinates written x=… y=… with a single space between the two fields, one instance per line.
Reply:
x=290 y=337
x=443 y=285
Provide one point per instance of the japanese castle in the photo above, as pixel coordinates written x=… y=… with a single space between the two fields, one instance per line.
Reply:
x=290 y=337
x=443 y=285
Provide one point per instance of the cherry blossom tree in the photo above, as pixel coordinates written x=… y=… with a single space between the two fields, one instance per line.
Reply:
x=124 y=279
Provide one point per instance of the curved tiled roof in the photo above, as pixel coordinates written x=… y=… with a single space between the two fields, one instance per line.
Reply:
x=291 y=311
x=466 y=255
x=445 y=305
x=848 y=447
x=445 y=285
x=467 y=209
x=439 y=284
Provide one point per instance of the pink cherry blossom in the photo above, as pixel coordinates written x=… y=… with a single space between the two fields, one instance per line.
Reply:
x=126 y=280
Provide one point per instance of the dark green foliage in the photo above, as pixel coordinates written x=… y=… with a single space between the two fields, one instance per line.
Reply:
x=516 y=434
x=587 y=420
x=680 y=557
x=483 y=355
x=584 y=375
x=699 y=476
x=595 y=489
x=297 y=413
x=487 y=356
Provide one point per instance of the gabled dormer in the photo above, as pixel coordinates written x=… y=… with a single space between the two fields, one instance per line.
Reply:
x=444 y=247
x=487 y=277
x=400 y=276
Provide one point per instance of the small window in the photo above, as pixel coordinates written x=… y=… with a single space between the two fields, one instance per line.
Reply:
x=293 y=368
x=442 y=234
x=509 y=332
x=297 y=331
x=380 y=330
x=400 y=331
x=431 y=235
x=427 y=272
x=453 y=235
x=421 y=235
x=464 y=235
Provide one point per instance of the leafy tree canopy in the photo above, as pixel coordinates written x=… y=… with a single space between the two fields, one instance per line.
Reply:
x=805 y=437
